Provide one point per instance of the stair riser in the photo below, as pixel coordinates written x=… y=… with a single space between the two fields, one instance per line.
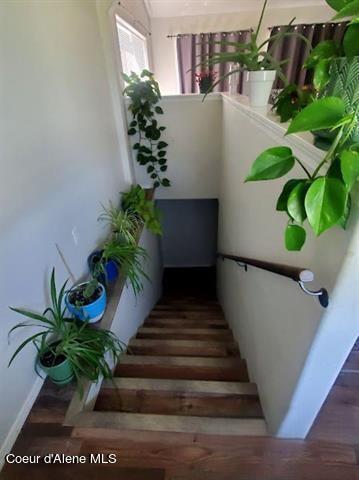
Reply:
x=226 y=374
x=179 y=403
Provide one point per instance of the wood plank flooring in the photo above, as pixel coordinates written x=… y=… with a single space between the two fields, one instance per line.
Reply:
x=331 y=451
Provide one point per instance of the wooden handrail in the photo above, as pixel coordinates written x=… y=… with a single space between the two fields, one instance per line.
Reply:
x=297 y=274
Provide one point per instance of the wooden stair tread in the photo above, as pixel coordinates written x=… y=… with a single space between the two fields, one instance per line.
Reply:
x=184 y=333
x=180 y=397
x=190 y=368
x=173 y=423
x=190 y=314
x=208 y=348
x=213 y=323
x=189 y=386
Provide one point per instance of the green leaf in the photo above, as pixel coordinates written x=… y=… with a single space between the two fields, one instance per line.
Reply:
x=150 y=169
x=165 y=182
x=349 y=162
x=163 y=168
x=338 y=4
x=343 y=222
x=161 y=145
x=131 y=131
x=296 y=208
x=162 y=153
x=351 y=41
x=294 y=237
x=272 y=163
x=325 y=203
x=321 y=74
x=136 y=146
x=283 y=197
x=350 y=10
x=162 y=161
x=323 y=51
x=158 y=110
x=133 y=123
x=321 y=114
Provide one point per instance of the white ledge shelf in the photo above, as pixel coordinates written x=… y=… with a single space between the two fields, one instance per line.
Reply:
x=302 y=142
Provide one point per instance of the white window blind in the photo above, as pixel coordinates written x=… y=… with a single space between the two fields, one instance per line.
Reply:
x=133 y=48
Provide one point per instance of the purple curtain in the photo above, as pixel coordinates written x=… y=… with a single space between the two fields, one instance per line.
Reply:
x=296 y=50
x=195 y=48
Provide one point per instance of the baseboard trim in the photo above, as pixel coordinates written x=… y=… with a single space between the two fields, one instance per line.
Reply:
x=11 y=437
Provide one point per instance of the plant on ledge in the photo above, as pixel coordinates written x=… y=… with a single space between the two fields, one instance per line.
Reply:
x=291 y=100
x=151 y=152
x=68 y=349
x=322 y=197
x=205 y=80
x=256 y=59
x=136 y=201
x=336 y=68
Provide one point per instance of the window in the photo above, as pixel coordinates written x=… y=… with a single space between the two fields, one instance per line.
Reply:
x=133 y=48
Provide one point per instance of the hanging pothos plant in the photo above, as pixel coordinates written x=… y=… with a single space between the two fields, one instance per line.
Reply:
x=150 y=150
x=323 y=197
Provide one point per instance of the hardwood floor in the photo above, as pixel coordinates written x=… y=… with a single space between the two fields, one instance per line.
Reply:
x=174 y=384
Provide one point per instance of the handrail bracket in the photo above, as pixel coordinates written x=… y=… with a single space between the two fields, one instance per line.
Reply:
x=322 y=294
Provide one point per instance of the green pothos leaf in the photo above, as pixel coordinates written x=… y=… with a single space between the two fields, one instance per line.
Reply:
x=272 y=163
x=296 y=208
x=325 y=203
x=349 y=161
x=294 y=237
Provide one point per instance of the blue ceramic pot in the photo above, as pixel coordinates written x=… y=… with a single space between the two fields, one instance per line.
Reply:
x=91 y=313
x=111 y=267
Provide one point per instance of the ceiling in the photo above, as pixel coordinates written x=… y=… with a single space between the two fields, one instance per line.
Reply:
x=180 y=8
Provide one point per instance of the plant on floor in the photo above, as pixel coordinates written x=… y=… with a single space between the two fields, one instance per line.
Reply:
x=66 y=348
x=322 y=197
x=136 y=200
x=255 y=56
x=130 y=257
x=291 y=100
x=151 y=152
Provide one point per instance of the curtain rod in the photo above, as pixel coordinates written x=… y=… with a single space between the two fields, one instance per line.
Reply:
x=177 y=35
x=333 y=24
x=135 y=21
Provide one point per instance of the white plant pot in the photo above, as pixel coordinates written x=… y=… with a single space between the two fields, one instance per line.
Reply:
x=260 y=85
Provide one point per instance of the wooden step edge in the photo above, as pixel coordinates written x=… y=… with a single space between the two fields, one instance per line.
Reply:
x=187 y=386
x=198 y=344
x=222 y=362
x=184 y=331
x=172 y=423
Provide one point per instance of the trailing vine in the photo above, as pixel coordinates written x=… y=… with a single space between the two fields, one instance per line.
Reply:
x=150 y=150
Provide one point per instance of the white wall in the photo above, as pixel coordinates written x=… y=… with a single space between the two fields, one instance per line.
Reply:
x=60 y=158
x=164 y=49
x=280 y=330
x=194 y=136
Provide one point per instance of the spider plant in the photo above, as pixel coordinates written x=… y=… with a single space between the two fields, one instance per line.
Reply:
x=75 y=347
x=124 y=224
x=130 y=257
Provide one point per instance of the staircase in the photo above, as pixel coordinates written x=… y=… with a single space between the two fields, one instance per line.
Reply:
x=183 y=373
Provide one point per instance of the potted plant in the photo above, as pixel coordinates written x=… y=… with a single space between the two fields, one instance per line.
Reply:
x=291 y=100
x=336 y=69
x=130 y=257
x=67 y=349
x=136 y=200
x=259 y=65
x=124 y=226
x=87 y=301
x=205 y=80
